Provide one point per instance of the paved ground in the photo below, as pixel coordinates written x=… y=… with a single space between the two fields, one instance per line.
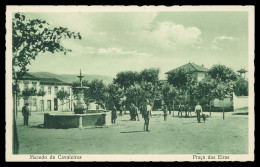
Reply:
x=174 y=136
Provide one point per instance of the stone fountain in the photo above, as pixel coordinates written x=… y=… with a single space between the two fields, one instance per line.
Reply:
x=81 y=117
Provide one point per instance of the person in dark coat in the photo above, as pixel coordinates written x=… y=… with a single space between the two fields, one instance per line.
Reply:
x=146 y=112
x=134 y=112
x=164 y=112
x=180 y=109
x=26 y=113
x=114 y=116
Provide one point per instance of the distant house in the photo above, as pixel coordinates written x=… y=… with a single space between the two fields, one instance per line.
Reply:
x=198 y=71
x=49 y=102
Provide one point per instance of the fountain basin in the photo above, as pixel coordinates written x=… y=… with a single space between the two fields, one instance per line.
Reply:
x=71 y=120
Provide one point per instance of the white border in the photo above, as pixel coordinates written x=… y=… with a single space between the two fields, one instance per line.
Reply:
x=129 y=157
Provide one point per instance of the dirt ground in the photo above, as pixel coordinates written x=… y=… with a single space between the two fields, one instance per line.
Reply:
x=174 y=136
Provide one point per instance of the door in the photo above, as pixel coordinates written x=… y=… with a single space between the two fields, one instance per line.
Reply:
x=42 y=105
x=48 y=105
x=55 y=104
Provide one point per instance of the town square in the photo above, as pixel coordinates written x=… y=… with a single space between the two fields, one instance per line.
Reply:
x=151 y=82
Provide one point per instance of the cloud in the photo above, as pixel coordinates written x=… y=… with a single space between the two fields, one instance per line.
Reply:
x=223 y=37
x=172 y=35
x=220 y=42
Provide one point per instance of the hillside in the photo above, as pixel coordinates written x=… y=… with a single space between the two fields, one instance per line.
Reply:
x=71 y=77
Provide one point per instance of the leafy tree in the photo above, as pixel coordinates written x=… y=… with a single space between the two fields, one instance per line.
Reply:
x=222 y=73
x=204 y=90
x=96 y=91
x=42 y=94
x=115 y=94
x=223 y=90
x=27 y=93
x=126 y=78
x=31 y=37
x=169 y=95
x=150 y=75
x=183 y=80
x=152 y=91
x=135 y=94
x=241 y=87
x=62 y=95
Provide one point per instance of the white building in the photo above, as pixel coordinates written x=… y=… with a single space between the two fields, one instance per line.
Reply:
x=49 y=102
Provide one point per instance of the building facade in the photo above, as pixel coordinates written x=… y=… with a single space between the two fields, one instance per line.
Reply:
x=49 y=102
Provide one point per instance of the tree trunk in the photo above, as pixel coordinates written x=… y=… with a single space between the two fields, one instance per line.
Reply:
x=173 y=108
x=210 y=107
x=223 y=109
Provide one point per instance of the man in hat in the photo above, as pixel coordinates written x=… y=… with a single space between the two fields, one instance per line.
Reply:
x=26 y=113
x=198 y=111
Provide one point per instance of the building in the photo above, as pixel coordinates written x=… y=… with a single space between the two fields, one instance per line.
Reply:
x=198 y=71
x=49 y=102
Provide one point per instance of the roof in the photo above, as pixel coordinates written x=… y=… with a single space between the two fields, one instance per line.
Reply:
x=27 y=76
x=190 y=67
x=52 y=81
x=242 y=71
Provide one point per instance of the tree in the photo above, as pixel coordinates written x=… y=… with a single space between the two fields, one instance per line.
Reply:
x=126 y=78
x=241 y=87
x=27 y=93
x=29 y=38
x=204 y=90
x=222 y=73
x=42 y=94
x=115 y=94
x=152 y=91
x=96 y=91
x=183 y=80
x=62 y=95
x=135 y=94
x=150 y=75
x=223 y=90
x=169 y=94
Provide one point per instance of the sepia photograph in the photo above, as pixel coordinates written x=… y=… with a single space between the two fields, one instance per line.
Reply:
x=129 y=83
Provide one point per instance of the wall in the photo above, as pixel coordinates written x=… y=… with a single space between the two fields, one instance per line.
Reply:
x=240 y=102
x=52 y=96
x=218 y=103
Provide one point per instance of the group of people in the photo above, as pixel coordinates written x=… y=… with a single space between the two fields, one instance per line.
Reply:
x=185 y=108
x=145 y=110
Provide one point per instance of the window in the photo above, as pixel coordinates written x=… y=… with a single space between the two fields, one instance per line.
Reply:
x=62 y=88
x=34 y=102
x=42 y=88
x=34 y=85
x=26 y=85
x=49 y=90
x=56 y=89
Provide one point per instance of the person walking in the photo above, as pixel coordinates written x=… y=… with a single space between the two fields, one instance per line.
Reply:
x=180 y=109
x=146 y=112
x=164 y=112
x=26 y=113
x=198 y=111
x=114 y=116
x=121 y=111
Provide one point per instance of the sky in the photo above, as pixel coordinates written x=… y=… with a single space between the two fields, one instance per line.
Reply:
x=114 y=42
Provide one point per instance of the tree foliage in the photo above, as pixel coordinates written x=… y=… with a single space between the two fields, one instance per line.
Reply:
x=27 y=92
x=150 y=75
x=169 y=94
x=62 y=95
x=31 y=37
x=96 y=91
x=221 y=73
x=41 y=93
x=127 y=78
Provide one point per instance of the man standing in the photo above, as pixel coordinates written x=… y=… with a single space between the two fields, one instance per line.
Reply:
x=26 y=113
x=114 y=116
x=198 y=111
x=134 y=112
x=146 y=115
x=165 y=112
